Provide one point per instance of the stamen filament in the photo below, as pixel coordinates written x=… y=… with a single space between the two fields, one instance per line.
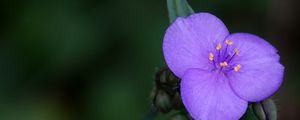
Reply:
x=224 y=58
x=214 y=63
x=231 y=57
x=225 y=50
x=236 y=52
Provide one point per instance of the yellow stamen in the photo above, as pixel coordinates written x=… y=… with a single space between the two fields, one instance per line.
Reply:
x=228 y=42
x=223 y=64
x=219 y=46
x=237 y=68
x=211 y=57
x=236 y=51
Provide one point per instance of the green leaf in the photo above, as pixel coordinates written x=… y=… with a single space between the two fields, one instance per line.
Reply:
x=177 y=8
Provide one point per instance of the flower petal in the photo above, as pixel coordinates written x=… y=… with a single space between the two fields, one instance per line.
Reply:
x=188 y=41
x=208 y=96
x=261 y=73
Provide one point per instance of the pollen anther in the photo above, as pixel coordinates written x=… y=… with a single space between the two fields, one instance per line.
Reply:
x=219 y=46
x=211 y=56
x=236 y=51
x=223 y=64
x=228 y=42
x=237 y=68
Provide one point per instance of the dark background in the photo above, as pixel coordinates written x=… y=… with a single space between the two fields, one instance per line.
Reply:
x=95 y=60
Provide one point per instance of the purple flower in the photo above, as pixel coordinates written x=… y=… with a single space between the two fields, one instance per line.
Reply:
x=220 y=72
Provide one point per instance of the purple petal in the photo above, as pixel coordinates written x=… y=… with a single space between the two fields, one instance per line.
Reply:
x=208 y=96
x=261 y=73
x=188 y=40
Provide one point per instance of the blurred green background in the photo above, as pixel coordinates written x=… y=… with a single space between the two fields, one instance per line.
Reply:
x=96 y=59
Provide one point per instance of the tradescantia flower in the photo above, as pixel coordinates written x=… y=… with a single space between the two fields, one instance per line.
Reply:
x=220 y=72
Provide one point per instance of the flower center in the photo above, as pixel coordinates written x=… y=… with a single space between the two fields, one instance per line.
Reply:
x=221 y=59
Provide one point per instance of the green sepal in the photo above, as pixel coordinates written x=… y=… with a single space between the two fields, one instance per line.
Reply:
x=270 y=109
x=263 y=110
x=249 y=115
x=178 y=8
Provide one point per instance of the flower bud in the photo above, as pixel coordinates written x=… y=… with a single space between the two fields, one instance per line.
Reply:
x=177 y=102
x=162 y=101
x=179 y=116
